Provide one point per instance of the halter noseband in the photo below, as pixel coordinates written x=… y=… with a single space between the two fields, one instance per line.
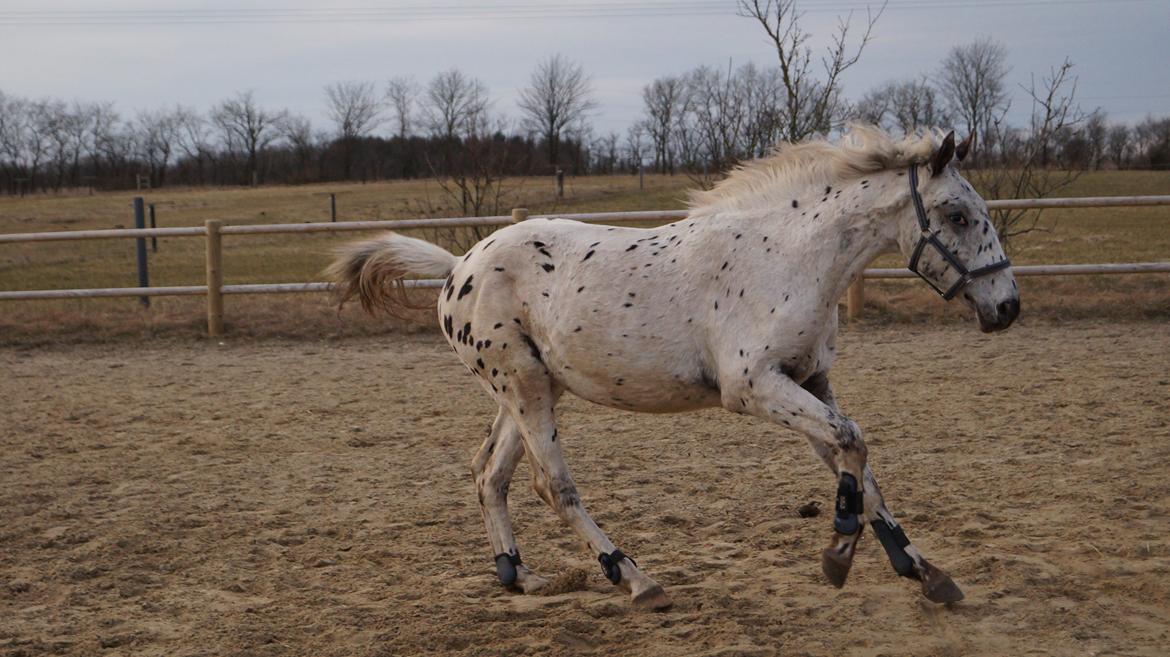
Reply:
x=926 y=236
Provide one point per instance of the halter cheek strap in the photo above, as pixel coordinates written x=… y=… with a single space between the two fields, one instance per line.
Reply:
x=929 y=237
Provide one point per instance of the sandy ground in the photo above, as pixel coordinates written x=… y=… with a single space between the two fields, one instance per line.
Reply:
x=295 y=498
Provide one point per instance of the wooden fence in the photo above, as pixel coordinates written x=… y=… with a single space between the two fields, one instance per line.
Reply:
x=214 y=230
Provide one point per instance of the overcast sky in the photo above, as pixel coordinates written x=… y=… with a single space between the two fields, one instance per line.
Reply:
x=287 y=50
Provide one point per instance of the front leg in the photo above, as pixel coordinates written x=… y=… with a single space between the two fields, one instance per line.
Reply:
x=773 y=395
x=904 y=556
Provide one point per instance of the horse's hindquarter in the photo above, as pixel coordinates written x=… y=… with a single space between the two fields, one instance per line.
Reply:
x=605 y=308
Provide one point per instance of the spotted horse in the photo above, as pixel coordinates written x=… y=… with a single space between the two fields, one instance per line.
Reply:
x=734 y=306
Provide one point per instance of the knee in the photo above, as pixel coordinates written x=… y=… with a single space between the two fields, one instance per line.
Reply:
x=492 y=485
x=848 y=437
x=558 y=491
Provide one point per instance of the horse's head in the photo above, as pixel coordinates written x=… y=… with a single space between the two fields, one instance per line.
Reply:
x=948 y=238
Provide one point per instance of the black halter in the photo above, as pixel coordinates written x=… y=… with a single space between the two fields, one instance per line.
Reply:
x=929 y=237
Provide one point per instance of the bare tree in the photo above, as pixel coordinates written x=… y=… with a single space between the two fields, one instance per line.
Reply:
x=58 y=125
x=556 y=99
x=109 y=149
x=355 y=109
x=874 y=106
x=1054 y=110
x=158 y=133
x=475 y=180
x=24 y=136
x=662 y=100
x=80 y=135
x=635 y=146
x=720 y=119
x=1096 y=135
x=1151 y=137
x=915 y=104
x=247 y=126
x=475 y=151
x=298 y=132
x=973 y=80
x=455 y=104
x=1119 y=146
x=812 y=103
x=195 y=141
x=401 y=93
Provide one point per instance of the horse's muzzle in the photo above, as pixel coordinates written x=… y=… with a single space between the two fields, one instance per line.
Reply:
x=1006 y=312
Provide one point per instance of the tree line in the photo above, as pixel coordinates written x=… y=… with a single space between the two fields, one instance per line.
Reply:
x=699 y=123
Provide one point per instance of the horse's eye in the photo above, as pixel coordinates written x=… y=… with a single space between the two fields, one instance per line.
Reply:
x=957 y=218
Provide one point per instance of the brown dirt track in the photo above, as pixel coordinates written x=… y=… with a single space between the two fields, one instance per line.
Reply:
x=297 y=498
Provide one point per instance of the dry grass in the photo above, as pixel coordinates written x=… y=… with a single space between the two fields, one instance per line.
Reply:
x=1097 y=235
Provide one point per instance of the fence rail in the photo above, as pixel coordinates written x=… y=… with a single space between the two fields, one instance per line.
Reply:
x=214 y=230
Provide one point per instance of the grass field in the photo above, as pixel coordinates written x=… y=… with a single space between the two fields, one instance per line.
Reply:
x=1070 y=236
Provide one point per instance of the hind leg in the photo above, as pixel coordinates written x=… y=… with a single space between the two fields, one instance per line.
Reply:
x=532 y=399
x=492 y=468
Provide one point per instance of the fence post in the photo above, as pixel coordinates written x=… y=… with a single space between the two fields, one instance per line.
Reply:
x=153 y=238
x=333 y=207
x=214 y=278
x=855 y=299
x=140 y=249
x=519 y=214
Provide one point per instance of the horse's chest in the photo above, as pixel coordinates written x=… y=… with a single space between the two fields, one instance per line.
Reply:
x=803 y=359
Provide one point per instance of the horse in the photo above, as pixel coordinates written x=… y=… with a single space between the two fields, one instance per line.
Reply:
x=734 y=306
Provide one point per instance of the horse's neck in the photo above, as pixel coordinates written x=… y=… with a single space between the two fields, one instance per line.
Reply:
x=832 y=237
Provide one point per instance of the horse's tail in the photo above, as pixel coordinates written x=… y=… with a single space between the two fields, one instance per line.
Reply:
x=372 y=270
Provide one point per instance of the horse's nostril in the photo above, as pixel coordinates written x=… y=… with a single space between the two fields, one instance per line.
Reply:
x=1008 y=310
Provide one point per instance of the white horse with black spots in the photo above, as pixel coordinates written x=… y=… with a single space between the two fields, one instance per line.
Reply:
x=734 y=306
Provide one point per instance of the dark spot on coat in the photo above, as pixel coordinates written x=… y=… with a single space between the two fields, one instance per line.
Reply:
x=532 y=347
x=548 y=266
x=587 y=256
x=466 y=289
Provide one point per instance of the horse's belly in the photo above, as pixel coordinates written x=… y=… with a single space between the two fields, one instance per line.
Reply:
x=647 y=393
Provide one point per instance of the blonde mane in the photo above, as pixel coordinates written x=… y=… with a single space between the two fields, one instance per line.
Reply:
x=861 y=150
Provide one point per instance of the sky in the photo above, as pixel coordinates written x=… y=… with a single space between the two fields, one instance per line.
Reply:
x=148 y=54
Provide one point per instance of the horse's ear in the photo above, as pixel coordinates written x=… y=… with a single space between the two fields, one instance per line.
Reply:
x=964 y=147
x=942 y=157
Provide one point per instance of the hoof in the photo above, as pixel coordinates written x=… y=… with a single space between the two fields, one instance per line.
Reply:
x=652 y=599
x=835 y=566
x=528 y=581
x=938 y=587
